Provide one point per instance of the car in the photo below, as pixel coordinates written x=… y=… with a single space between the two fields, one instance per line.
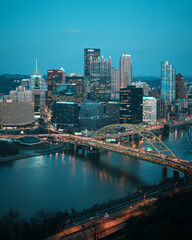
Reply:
x=106 y=216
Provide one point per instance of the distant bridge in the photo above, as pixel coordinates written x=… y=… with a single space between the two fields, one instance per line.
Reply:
x=161 y=154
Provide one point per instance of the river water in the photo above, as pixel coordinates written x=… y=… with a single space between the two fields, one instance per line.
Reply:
x=63 y=181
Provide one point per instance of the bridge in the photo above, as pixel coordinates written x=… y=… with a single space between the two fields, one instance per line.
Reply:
x=160 y=153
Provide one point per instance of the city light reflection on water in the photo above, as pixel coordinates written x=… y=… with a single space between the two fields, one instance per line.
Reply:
x=76 y=181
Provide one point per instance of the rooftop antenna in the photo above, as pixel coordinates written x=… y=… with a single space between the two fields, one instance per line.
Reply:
x=36 y=66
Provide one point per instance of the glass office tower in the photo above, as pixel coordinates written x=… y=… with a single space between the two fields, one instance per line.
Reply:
x=168 y=82
x=88 y=55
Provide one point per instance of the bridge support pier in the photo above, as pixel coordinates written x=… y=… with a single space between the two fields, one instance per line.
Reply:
x=186 y=177
x=164 y=174
x=175 y=174
x=75 y=147
x=84 y=152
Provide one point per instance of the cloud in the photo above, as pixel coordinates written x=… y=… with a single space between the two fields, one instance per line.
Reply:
x=71 y=31
x=77 y=31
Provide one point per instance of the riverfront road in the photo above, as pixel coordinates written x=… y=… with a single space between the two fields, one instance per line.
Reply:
x=90 y=218
x=100 y=227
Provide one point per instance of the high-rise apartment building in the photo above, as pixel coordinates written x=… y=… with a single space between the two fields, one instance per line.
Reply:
x=89 y=54
x=180 y=86
x=125 y=70
x=100 y=80
x=168 y=82
x=54 y=77
x=131 y=100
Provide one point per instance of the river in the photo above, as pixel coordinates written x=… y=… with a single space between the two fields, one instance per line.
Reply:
x=63 y=181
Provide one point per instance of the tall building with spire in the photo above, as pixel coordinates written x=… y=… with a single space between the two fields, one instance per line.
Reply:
x=168 y=82
x=38 y=87
x=125 y=70
x=37 y=81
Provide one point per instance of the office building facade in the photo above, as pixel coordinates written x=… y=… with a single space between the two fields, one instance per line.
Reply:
x=54 y=77
x=113 y=111
x=115 y=83
x=161 y=109
x=180 y=86
x=16 y=114
x=20 y=95
x=92 y=116
x=79 y=82
x=91 y=109
x=131 y=100
x=100 y=80
x=65 y=114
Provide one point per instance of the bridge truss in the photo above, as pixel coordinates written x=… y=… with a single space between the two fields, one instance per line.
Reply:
x=156 y=144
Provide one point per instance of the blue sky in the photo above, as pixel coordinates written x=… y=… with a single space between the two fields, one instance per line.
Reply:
x=56 y=33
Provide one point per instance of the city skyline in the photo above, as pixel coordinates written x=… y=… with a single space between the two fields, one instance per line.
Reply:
x=56 y=33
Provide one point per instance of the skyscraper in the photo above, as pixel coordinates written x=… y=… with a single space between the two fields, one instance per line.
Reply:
x=100 y=80
x=168 y=81
x=131 y=99
x=125 y=70
x=54 y=77
x=180 y=86
x=88 y=54
x=78 y=80
x=115 y=83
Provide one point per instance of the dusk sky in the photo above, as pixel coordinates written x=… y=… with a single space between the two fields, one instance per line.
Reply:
x=56 y=33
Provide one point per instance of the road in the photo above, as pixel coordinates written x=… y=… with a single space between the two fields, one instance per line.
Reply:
x=101 y=227
x=120 y=210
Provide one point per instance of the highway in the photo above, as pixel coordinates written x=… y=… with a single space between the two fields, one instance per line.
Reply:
x=88 y=218
x=85 y=224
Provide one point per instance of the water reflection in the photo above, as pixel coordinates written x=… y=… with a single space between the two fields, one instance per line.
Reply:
x=56 y=181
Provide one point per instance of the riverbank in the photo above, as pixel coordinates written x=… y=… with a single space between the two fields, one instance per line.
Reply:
x=29 y=154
